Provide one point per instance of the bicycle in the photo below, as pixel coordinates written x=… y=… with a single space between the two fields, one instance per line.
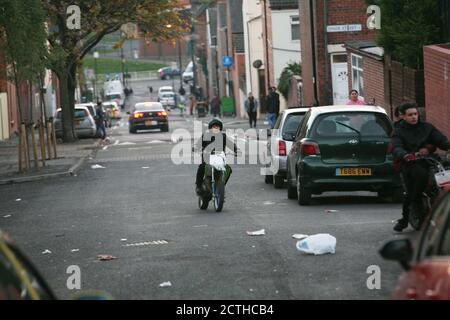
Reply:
x=439 y=180
x=217 y=173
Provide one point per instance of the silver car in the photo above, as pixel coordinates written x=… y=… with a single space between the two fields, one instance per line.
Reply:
x=283 y=135
x=84 y=123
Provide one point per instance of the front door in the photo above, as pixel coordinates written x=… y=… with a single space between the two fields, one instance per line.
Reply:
x=339 y=73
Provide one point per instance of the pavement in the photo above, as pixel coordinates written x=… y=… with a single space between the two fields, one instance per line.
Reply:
x=70 y=158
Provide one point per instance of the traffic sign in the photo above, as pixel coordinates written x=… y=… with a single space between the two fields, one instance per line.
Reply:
x=227 y=61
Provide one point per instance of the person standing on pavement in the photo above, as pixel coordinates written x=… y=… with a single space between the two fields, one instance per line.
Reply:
x=273 y=106
x=100 y=120
x=192 y=104
x=215 y=106
x=251 y=107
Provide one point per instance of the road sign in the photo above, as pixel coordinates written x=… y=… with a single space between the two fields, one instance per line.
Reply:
x=227 y=61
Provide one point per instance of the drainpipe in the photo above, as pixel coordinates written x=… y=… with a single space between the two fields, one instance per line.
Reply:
x=327 y=60
x=266 y=46
x=313 y=45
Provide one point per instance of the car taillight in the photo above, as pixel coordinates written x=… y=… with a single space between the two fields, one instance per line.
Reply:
x=281 y=148
x=162 y=114
x=310 y=148
x=137 y=115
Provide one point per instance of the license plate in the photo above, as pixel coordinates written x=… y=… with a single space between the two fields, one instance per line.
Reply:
x=353 y=172
x=151 y=123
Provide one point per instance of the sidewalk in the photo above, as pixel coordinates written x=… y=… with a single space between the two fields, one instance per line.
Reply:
x=71 y=156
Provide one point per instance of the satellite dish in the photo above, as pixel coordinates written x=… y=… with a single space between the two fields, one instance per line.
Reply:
x=257 y=64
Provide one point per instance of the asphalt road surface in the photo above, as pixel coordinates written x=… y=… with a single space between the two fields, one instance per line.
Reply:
x=141 y=208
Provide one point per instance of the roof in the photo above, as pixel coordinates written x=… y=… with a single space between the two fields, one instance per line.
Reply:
x=148 y=104
x=283 y=4
x=293 y=110
x=345 y=108
x=360 y=44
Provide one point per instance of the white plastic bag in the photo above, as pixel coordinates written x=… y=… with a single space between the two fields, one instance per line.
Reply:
x=442 y=176
x=318 y=244
x=218 y=161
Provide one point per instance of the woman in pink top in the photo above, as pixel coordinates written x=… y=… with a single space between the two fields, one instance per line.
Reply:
x=354 y=99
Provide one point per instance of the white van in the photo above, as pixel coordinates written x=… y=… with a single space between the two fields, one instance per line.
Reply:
x=188 y=74
x=113 y=91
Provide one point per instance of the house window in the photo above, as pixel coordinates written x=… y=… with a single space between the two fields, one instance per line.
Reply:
x=295 y=28
x=357 y=74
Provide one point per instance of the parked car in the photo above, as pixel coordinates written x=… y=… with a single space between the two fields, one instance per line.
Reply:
x=285 y=129
x=168 y=99
x=342 y=148
x=91 y=106
x=148 y=115
x=427 y=265
x=83 y=122
x=20 y=280
x=168 y=73
x=188 y=74
x=112 y=109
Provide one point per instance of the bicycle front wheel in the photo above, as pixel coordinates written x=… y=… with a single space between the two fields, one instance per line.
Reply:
x=219 y=194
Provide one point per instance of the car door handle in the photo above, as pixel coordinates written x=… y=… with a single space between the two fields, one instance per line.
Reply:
x=411 y=293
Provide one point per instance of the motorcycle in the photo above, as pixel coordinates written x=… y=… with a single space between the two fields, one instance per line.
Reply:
x=217 y=173
x=439 y=180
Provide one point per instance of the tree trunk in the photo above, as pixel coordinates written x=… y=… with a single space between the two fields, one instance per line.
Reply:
x=67 y=110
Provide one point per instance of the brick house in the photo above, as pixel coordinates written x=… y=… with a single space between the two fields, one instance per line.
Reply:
x=325 y=27
x=437 y=86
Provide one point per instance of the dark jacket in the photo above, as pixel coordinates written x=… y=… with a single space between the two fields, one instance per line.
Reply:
x=409 y=138
x=210 y=138
x=273 y=103
x=100 y=117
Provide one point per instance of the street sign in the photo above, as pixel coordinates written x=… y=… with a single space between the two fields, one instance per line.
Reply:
x=227 y=61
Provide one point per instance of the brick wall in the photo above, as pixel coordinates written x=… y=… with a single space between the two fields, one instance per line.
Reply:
x=335 y=12
x=374 y=85
x=437 y=86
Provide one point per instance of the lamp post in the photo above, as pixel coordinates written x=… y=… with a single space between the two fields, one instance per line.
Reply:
x=96 y=56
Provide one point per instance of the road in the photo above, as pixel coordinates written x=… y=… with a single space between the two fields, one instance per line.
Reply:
x=142 y=209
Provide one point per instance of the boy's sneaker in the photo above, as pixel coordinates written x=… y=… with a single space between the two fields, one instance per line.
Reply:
x=401 y=224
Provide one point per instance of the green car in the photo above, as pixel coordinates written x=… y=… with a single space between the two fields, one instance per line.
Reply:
x=342 y=148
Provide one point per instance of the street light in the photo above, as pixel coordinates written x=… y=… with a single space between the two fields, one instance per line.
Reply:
x=96 y=56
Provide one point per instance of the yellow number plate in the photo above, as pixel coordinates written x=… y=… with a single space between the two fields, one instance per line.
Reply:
x=353 y=172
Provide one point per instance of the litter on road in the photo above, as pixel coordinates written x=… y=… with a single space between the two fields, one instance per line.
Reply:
x=97 y=166
x=331 y=211
x=318 y=244
x=75 y=250
x=200 y=226
x=299 y=236
x=123 y=240
x=145 y=167
x=7 y=216
x=18 y=199
x=46 y=251
x=105 y=257
x=257 y=233
x=268 y=203
x=165 y=284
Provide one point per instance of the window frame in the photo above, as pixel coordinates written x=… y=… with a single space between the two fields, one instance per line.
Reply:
x=359 y=85
x=295 y=24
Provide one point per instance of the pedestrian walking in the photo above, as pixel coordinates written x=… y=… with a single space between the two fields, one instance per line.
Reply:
x=215 y=106
x=273 y=106
x=251 y=107
x=100 y=121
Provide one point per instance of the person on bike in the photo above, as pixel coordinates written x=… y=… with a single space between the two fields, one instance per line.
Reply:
x=212 y=140
x=413 y=138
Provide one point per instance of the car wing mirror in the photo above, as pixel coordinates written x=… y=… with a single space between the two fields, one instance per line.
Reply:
x=269 y=132
x=400 y=250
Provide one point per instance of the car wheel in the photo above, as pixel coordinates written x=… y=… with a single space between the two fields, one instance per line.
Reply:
x=166 y=77
x=291 y=190
x=132 y=130
x=165 y=128
x=303 y=194
x=278 y=182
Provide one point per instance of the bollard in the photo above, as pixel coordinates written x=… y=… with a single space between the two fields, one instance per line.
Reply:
x=49 y=145
x=54 y=139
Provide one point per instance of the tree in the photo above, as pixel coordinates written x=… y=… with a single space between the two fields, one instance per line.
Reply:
x=285 y=78
x=98 y=18
x=407 y=26
x=25 y=56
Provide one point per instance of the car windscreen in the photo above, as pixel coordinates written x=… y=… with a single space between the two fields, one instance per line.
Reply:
x=168 y=95
x=149 y=108
x=113 y=96
x=80 y=113
x=290 y=125
x=349 y=124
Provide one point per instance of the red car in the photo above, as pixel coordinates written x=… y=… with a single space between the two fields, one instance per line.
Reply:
x=148 y=115
x=427 y=266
